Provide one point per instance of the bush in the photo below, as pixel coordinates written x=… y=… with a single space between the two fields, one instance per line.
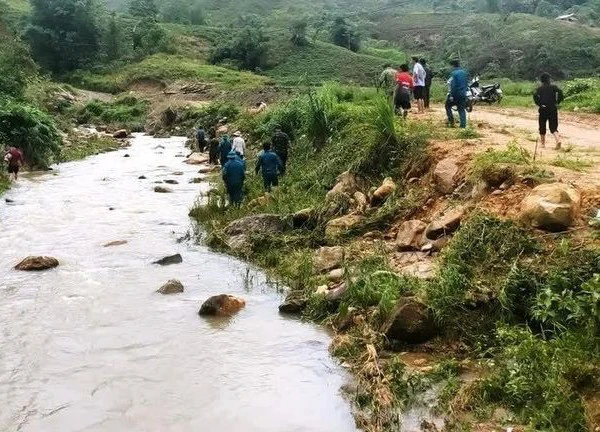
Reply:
x=127 y=112
x=208 y=116
x=247 y=48
x=31 y=130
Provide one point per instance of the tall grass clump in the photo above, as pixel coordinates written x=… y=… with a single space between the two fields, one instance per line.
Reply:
x=126 y=112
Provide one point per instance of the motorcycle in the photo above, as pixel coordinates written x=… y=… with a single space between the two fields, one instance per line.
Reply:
x=476 y=94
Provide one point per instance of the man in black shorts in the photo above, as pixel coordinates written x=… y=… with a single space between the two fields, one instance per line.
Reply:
x=419 y=76
x=14 y=158
x=548 y=97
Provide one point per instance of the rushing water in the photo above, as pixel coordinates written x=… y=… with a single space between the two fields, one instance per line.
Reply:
x=90 y=346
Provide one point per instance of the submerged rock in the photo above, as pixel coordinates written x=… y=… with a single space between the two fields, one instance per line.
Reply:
x=294 y=303
x=115 y=243
x=444 y=175
x=410 y=322
x=551 y=207
x=171 y=182
x=162 y=189
x=196 y=180
x=173 y=286
x=328 y=258
x=120 y=134
x=222 y=305
x=142 y=177
x=37 y=263
x=168 y=260
x=410 y=235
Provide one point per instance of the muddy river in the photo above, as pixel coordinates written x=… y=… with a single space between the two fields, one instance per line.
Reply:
x=90 y=346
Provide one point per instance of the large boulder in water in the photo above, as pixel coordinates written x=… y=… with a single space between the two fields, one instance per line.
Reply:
x=256 y=224
x=410 y=322
x=444 y=175
x=121 y=134
x=162 y=189
x=222 y=305
x=171 y=287
x=37 y=263
x=551 y=207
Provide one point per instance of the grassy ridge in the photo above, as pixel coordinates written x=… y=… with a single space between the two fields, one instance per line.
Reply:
x=166 y=68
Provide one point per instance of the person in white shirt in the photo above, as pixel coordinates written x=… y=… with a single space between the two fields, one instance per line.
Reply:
x=239 y=145
x=419 y=75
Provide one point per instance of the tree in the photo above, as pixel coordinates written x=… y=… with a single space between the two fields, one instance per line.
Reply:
x=64 y=34
x=113 y=39
x=342 y=34
x=298 y=30
x=143 y=8
x=150 y=38
x=16 y=65
x=247 y=48
x=183 y=12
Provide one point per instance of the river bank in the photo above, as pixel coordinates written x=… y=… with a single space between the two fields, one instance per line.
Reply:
x=91 y=345
x=416 y=245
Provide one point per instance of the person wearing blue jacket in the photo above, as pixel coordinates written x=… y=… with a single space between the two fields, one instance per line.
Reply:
x=271 y=166
x=234 y=174
x=224 y=149
x=459 y=85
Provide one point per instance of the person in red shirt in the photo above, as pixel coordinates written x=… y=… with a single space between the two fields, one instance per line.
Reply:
x=14 y=158
x=404 y=85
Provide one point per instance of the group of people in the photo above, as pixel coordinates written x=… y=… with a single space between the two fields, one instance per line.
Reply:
x=231 y=155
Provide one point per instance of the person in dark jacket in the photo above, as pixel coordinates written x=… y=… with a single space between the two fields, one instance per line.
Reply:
x=234 y=174
x=201 y=139
x=271 y=167
x=547 y=97
x=213 y=150
x=281 y=145
x=457 y=96
x=224 y=149
x=428 y=80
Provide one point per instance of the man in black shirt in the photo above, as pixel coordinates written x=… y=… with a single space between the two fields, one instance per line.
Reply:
x=548 y=97
x=428 y=81
x=281 y=144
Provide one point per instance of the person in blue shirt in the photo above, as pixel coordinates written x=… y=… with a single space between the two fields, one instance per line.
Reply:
x=271 y=166
x=234 y=174
x=224 y=149
x=459 y=85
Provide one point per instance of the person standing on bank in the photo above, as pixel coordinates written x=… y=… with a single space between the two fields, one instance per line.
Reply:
x=239 y=145
x=428 y=81
x=280 y=144
x=387 y=80
x=457 y=95
x=547 y=97
x=271 y=167
x=234 y=174
x=404 y=84
x=419 y=80
x=224 y=149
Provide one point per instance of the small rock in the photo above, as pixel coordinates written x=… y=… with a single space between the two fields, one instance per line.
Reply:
x=168 y=260
x=446 y=224
x=196 y=159
x=444 y=176
x=222 y=305
x=552 y=207
x=373 y=235
x=120 y=134
x=342 y=225
x=497 y=192
x=126 y=155
x=171 y=182
x=162 y=189
x=142 y=177
x=336 y=275
x=413 y=180
x=8 y=200
x=346 y=183
x=322 y=290
x=256 y=224
x=301 y=217
x=171 y=287
x=196 y=180
x=337 y=293
x=261 y=201
x=410 y=322
x=328 y=258
x=382 y=193
x=294 y=303
x=37 y=263
x=111 y=208
x=116 y=243
x=410 y=235
x=178 y=173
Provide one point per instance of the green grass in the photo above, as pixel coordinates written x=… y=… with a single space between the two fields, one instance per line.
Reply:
x=573 y=164
x=80 y=147
x=487 y=165
x=319 y=62
x=126 y=112
x=164 y=68
x=4 y=181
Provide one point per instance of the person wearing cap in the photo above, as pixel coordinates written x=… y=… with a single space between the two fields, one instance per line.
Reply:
x=239 y=145
x=271 y=167
x=234 y=174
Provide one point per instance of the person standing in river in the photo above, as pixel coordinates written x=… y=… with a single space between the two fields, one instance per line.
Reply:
x=547 y=97
x=14 y=159
x=271 y=167
x=201 y=139
x=281 y=145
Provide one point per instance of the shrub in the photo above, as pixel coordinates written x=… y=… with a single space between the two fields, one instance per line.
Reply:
x=31 y=130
